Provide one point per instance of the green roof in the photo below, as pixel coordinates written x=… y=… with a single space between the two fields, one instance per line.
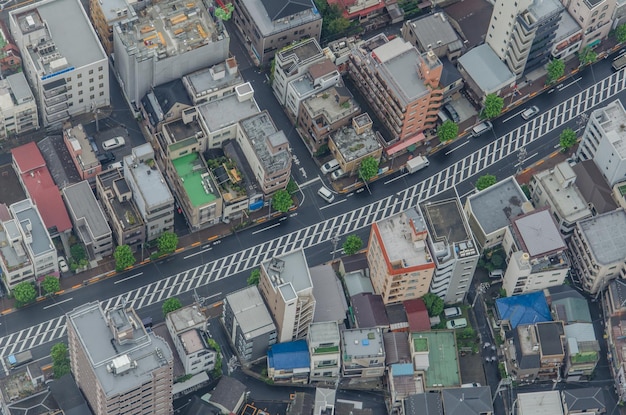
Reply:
x=576 y=309
x=443 y=362
x=622 y=190
x=191 y=169
x=585 y=357
x=329 y=349
x=420 y=344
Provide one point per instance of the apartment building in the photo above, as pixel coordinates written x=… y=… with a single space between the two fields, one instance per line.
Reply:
x=406 y=102
x=104 y=14
x=319 y=77
x=363 y=353
x=522 y=33
x=164 y=103
x=603 y=141
x=453 y=249
x=597 y=250
x=18 y=108
x=249 y=325
x=399 y=257
x=614 y=310
x=536 y=252
x=268 y=26
x=161 y=44
x=568 y=38
x=150 y=192
x=434 y=32
x=119 y=366
x=68 y=77
x=212 y=83
x=324 y=348
x=583 y=351
x=350 y=145
x=89 y=220
x=594 y=16
x=26 y=249
x=116 y=197
x=83 y=156
x=556 y=188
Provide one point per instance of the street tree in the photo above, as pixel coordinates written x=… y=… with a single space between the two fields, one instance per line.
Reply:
x=253 y=279
x=124 y=257
x=282 y=201
x=60 y=360
x=556 y=69
x=50 y=285
x=24 y=293
x=433 y=303
x=567 y=139
x=167 y=242
x=292 y=186
x=352 y=245
x=171 y=304
x=620 y=33
x=485 y=181
x=368 y=168
x=587 y=56
x=447 y=131
x=493 y=106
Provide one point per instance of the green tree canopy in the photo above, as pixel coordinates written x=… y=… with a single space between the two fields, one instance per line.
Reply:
x=78 y=252
x=620 y=33
x=292 y=186
x=493 y=106
x=253 y=279
x=485 y=181
x=556 y=69
x=282 y=201
x=171 y=304
x=50 y=285
x=433 y=303
x=447 y=131
x=333 y=22
x=167 y=242
x=587 y=56
x=352 y=245
x=24 y=293
x=60 y=360
x=124 y=257
x=567 y=139
x=368 y=168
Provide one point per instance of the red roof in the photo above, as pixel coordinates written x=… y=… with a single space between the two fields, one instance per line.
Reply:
x=28 y=157
x=417 y=315
x=344 y=4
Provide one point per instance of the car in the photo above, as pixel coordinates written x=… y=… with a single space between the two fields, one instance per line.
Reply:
x=337 y=174
x=471 y=385
x=481 y=128
x=113 y=143
x=457 y=323
x=452 y=112
x=452 y=312
x=63 y=264
x=496 y=274
x=330 y=166
x=326 y=194
x=106 y=157
x=116 y=165
x=93 y=145
x=530 y=112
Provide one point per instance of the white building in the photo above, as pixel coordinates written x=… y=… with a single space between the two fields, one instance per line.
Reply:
x=539 y=403
x=18 y=108
x=604 y=142
x=62 y=59
x=324 y=348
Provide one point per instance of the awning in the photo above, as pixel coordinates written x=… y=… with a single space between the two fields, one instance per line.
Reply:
x=404 y=144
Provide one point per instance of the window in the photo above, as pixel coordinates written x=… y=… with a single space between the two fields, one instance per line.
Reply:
x=80 y=101
x=101 y=86
x=101 y=93
x=91 y=72
x=80 y=92
x=92 y=96
x=80 y=84
x=80 y=75
x=91 y=88
x=100 y=76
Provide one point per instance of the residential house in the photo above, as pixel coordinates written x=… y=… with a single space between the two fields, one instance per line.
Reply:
x=594 y=187
x=212 y=83
x=422 y=403
x=228 y=396
x=467 y=401
x=82 y=153
x=434 y=32
x=324 y=342
x=530 y=403
x=584 y=401
x=583 y=351
x=484 y=73
x=330 y=300
x=369 y=311
x=402 y=382
x=289 y=362
x=164 y=103
x=363 y=353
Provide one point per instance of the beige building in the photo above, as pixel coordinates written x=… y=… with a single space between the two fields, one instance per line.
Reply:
x=81 y=152
x=399 y=257
x=18 y=108
x=350 y=145
x=324 y=348
x=363 y=353
x=209 y=84
x=104 y=14
x=119 y=366
x=594 y=16
x=286 y=286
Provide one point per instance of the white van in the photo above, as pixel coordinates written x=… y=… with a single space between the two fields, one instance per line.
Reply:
x=451 y=312
x=330 y=166
x=326 y=194
x=481 y=128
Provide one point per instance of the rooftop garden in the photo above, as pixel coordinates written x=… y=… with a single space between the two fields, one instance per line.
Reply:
x=232 y=189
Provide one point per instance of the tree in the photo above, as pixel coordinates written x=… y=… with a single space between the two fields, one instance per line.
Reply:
x=124 y=257
x=24 y=293
x=368 y=168
x=433 y=303
x=78 y=252
x=587 y=56
x=50 y=285
x=447 y=131
x=282 y=201
x=292 y=186
x=485 y=181
x=171 y=304
x=167 y=242
x=217 y=370
x=556 y=69
x=493 y=106
x=620 y=33
x=352 y=245
x=567 y=139
x=60 y=360
x=253 y=279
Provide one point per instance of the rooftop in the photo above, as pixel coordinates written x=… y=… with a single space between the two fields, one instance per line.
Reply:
x=486 y=69
x=524 y=309
x=266 y=139
x=443 y=369
x=594 y=187
x=226 y=111
x=88 y=216
x=250 y=312
x=569 y=305
x=224 y=75
x=446 y=225
x=324 y=332
x=289 y=269
x=467 y=401
x=362 y=343
x=606 y=236
x=289 y=356
x=423 y=403
x=124 y=210
x=357 y=282
x=435 y=30
x=354 y=145
x=116 y=10
x=148 y=178
x=539 y=403
x=564 y=197
x=550 y=334
x=192 y=341
x=196 y=178
x=12 y=190
x=186 y=318
x=27 y=215
x=77 y=138
x=417 y=314
x=369 y=310
x=341 y=105
x=585 y=399
x=538 y=234
x=228 y=393
x=330 y=300
x=611 y=119
x=14 y=90
x=397 y=349
x=496 y=205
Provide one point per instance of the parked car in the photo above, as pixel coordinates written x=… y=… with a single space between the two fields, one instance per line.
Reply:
x=452 y=312
x=530 y=112
x=63 y=264
x=496 y=274
x=113 y=143
x=457 y=323
x=326 y=194
x=106 y=157
x=330 y=166
x=452 y=112
x=337 y=174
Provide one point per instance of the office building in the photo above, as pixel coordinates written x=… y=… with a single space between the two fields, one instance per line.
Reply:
x=18 y=108
x=595 y=18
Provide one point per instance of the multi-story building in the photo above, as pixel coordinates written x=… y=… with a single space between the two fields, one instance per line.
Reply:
x=614 y=309
x=324 y=348
x=18 y=108
x=187 y=327
x=350 y=145
x=597 y=250
x=399 y=258
x=370 y=14
x=319 y=77
x=568 y=38
x=69 y=75
x=594 y=16
x=151 y=194
x=268 y=26
x=522 y=33
x=583 y=351
x=619 y=15
x=119 y=366
x=434 y=32
x=164 y=103
x=363 y=353
x=286 y=286
x=82 y=154
x=536 y=253
x=248 y=323
x=104 y=14
x=452 y=247
x=117 y=200
x=480 y=83
x=406 y=102
x=161 y=44
x=26 y=250
x=212 y=83
x=267 y=151
x=88 y=218
x=556 y=188
x=603 y=141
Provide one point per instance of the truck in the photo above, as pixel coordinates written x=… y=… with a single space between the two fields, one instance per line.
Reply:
x=619 y=62
x=417 y=163
x=18 y=359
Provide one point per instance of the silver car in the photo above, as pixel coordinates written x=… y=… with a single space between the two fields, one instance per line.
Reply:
x=530 y=112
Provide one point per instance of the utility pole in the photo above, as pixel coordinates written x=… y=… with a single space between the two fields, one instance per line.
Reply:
x=335 y=242
x=521 y=158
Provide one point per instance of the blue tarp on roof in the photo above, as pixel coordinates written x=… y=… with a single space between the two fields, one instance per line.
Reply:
x=402 y=369
x=291 y=355
x=524 y=309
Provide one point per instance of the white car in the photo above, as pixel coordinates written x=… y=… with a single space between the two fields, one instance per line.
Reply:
x=458 y=323
x=337 y=174
x=63 y=264
x=113 y=143
x=530 y=112
x=330 y=166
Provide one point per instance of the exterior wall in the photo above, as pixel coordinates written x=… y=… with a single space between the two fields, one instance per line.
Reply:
x=18 y=118
x=452 y=278
x=363 y=367
x=294 y=98
x=317 y=128
x=84 y=158
x=595 y=18
x=520 y=279
x=102 y=26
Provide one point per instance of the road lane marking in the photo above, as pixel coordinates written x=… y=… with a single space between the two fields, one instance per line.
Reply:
x=264 y=229
x=128 y=278
x=301 y=185
x=513 y=116
x=196 y=253
x=333 y=204
x=457 y=147
x=396 y=178
x=58 y=303
x=571 y=83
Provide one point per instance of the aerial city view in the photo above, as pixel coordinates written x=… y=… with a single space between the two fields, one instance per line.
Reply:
x=312 y=207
